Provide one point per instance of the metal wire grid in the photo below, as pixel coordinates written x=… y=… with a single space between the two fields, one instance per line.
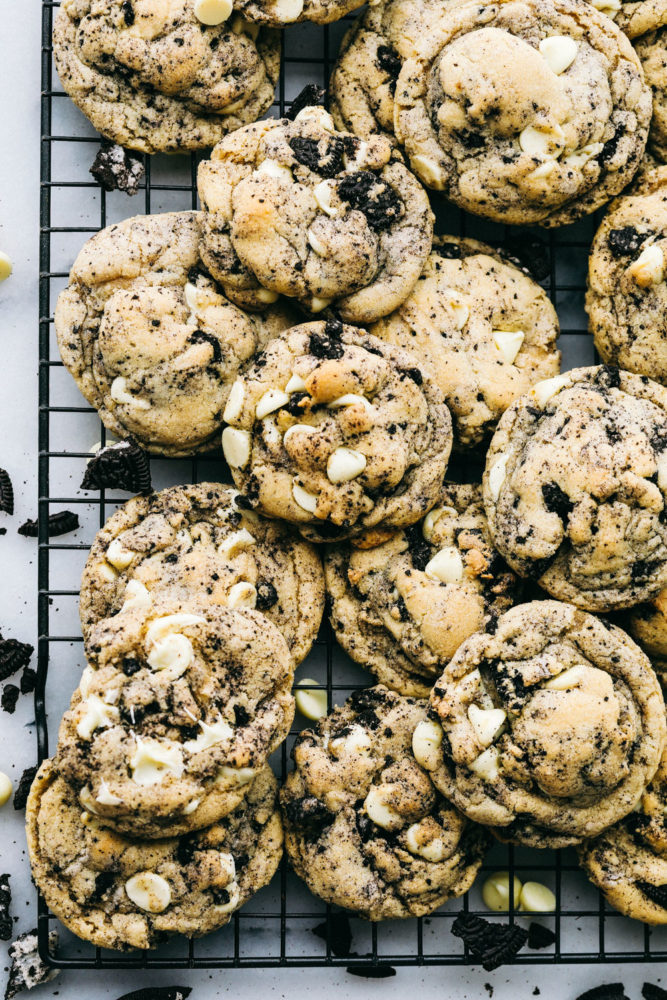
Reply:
x=276 y=928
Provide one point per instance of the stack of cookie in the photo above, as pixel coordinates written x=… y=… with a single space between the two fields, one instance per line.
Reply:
x=504 y=701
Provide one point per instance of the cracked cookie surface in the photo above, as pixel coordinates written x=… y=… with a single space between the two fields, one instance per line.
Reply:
x=364 y=826
x=524 y=111
x=483 y=329
x=547 y=730
x=298 y=209
x=401 y=608
x=148 y=336
x=150 y=76
x=337 y=432
x=647 y=624
x=575 y=487
x=652 y=51
x=126 y=893
x=279 y=13
x=199 y=548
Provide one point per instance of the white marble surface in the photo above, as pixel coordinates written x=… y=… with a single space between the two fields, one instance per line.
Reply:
x=19 y=224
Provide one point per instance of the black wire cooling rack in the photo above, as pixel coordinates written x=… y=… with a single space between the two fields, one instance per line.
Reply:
x=283 y=925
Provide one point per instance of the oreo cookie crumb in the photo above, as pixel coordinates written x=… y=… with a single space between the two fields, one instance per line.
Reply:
x=652 y=992
x=27 y=969
x=267 y=595
x=28 y=681
x=337 y=932
x=370 y=195
x=656 y=893
x=325 y=347
x=6 y=922
x=23 y=787
x=201 y=337
x=121 y=466
x=159 y=993
x=493 y=943
x=60 y=523
x=9 y=698
x=625 y=242
x=13 y=656
x=6 y=493
x=606 y=991
x=556 y=500
x=308 y=152
x=311 y=815
x=540 y=936
x=128 y=13
x=311 y=96
x=531 y=253
x=389 y=60
x=418 y=547
x=115 y=169
x=380 y=971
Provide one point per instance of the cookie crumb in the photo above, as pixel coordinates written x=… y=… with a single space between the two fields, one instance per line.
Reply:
x=337 y=932
x=493 y=943
x=60 y=523
x=120 y=466
x=9 y=698
x=6 y=922
x=13 y=656
x=310 y=97
x=380 y=971
x=6 y=493
x=27 y=969
x=115 y=169
x=23 y=787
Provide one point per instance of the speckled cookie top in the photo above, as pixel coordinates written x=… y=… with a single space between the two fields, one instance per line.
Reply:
x=151 y=76
x=364 y=826
x=175 y=715
x=337 y=432
x=279 y=13
x=647 y=624
x=483 y=329
x=296 y=208
x=402 y=607
x=150 y=339
x=635 y=17
x=547 y=729
x=575 y=487
x=121 y=893
x=523 y=111
x=652 y=51
x=200 y=547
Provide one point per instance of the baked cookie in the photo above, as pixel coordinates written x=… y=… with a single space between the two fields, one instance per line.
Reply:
x=279 y=13
x=152 y=76
x=337 y=432
x=635 y=17
x=200 y=547
x=482 y=327
x=627 y=280
x=175 y=715
x=647 y=624
x=575 y=487
x=148 y=336
x=652 y=51
x=523 y=112
x=364 y=826
x=547 y=729
x=125 y=893
x=629 y=861
x=298 y=209
x=402 y=608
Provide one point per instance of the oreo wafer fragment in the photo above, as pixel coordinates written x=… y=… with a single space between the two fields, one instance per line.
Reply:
x=652 y=992
x=606 y=991
x=120 y=466
x=656 y=893
x=6 y=922
x=369 y=971
x=10 y=695
x=493 y=943
x=337 y=932
x=115 y=169
x=23 y=787
x=28 y=681
x=159 y=993
x=60 y=523
x=6 y=493
x=540 y=936
x=310 y=96
x=13 y=656
x=28 y=969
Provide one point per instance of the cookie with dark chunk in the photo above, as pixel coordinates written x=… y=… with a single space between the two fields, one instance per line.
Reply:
x=28 y=969
x=59 y=523
x=493 y=943
x=296 y=208
x=547 y=730
x=366 y=447
x=364 y=826
x=120 y=466
x=279 y=13
x=6 y=493
x=116 y=170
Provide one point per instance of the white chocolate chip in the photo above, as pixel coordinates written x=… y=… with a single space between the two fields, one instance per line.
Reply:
x=5 y=789
x=105 y=796
x=316 y=113
x=323 y=193
x=486 y=765
x=212 y=12
x=446 y=565
x=487 y=723
x=316 y=243
x=272 y=400
x=191 y=807
x=119 y=557
x=235 y=775
x=233 y=901
x=568 y=679
x=298 y=429
x=355 y=741
x=432 y=518
x=210 y=736
x=149 y=892
x=227 y=865
x=350 y=399
x=86 y=799
x=345 y=464
x=544 y=143
x=274 y=169
x=497 y=474
x=317 y=304
x=378 y=810
x=241 y=27
x=5 y=266
x=559 y=52
x=161 y=627
x=236 y=447
x=98 y=715
x=508 y=343
x=432 y=850
x=649 y=268
x=457 y=304
x=359 y=159
x=295 y=384
x=496 y=892
x=304 y=499
x=608 y=7
x=583 y=155
x=87 y=678
x=426 y=743
x=153 y=759
x=266 y=296
x=238 y=540
x=311 y=701
x=197 y=299
x=429 y=171
x=119 y=394
x=234 y=405
x=136 y=597
x=242 y=595
x=662 y=472
x=536 y=898
x=174 y=653
x=544 y=170
x=543 y=391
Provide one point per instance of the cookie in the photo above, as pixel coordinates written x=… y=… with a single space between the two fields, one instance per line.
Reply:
x=153 y=77
x=482 y=327
x=337 y=432
x=652 y=51
x=647 y=624
x=198 y=547
x=175 y=714
x=533 y=112
x=401 y=608
x=125 y=893
x=636 y=17
x=547 y=729
x=626 y=298
x=148 y=336
x=279 y=13
x=364 y=826
x=575 y=487
x=298 y=209
x=629 y=861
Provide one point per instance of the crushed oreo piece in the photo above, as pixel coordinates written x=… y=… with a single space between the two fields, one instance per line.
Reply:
x=28 y=681
x=159 y=993
x=370 y=195
x=13 y=656
x=611 y=145
x=470 y=139
x=27 y=969
x=450 y=251
x=60 y=523
x=369 y=971
x=128 y=13
x=267 y=595
x=493 y=943
x=418 y=547
x=530 y=252
x=115 y=169
x=414 y=373
x=327 y=163
x=9 y=698
x=23 y=787
x=389 y=60
x=337 y=932
x=201 y=337
x=540 y=936
x=656 y=893
x=121 y=466
x=310 y=97
x=556 y=500
x=625 y=242
x=6 y=493
x=6 y=922
x=608 y=377
x=311 y=815
x=652 y=992
x=324 y=346
x=606 y=991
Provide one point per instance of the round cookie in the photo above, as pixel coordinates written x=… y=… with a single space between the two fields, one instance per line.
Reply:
x=151 y=76
x=337 y=432
x=298 y=209
x=647 y=624
x=175 y=715
x=548 y=729
x=402 y=608
x=523 y=112
x=652 y=51
x=635 y=17
x=279 y=13
x=575 y=487
x=200 y=548
x=626 y=298
x=125 y=893
x=364 y=826
x=482 y=327
x=148 y=336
